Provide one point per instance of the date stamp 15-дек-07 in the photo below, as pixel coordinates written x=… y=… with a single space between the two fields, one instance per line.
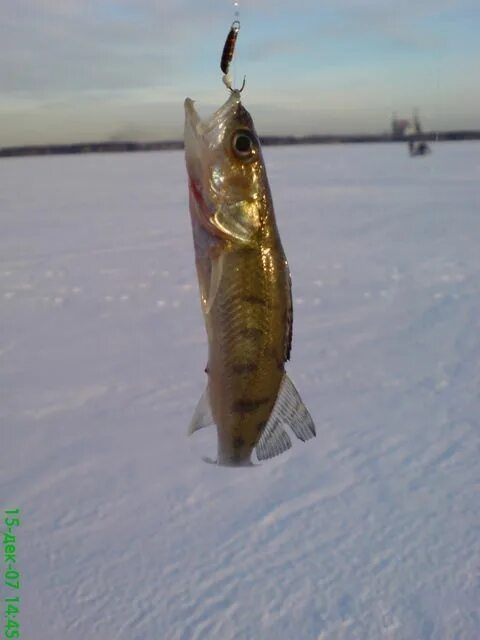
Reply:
x=11 y=602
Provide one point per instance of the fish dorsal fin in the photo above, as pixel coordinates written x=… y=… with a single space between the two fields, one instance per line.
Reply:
x=289 y=319
x=202 y=416
x=289 y=410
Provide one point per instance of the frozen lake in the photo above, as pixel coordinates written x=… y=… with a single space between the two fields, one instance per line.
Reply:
x=371 y=531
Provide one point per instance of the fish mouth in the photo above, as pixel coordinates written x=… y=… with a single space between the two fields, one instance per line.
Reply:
x=210 y=129
x=203 y=145
x=193 y=122
x=205 y=139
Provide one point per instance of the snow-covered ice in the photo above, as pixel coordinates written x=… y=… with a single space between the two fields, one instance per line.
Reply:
x=370 y=531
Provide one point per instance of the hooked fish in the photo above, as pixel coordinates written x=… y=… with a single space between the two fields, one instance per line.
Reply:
x=245 y=290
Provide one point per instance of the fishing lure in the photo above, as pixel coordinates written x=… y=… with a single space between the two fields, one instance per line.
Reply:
x=229 y=47
x=227 y=55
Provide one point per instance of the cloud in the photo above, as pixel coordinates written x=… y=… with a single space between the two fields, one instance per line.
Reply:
x=76 y=46
x=113 y=66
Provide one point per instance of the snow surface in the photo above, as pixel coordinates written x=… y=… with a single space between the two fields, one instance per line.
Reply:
x=369 y=531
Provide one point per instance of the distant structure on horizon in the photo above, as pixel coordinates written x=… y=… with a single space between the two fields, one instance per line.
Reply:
x=402 y=130
x=399 y=127
x=411 y=131
x=417 y=146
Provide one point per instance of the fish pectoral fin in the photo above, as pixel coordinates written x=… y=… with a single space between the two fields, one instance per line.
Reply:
x=289 y=410
x=215 y=280
x=210 y=283
x=202 y=416
x=238 y=222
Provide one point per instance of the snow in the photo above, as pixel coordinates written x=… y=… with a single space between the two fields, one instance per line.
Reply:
x=369 y=531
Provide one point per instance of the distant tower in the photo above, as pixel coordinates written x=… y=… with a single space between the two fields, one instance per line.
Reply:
x=399 y=126
x=416 y=121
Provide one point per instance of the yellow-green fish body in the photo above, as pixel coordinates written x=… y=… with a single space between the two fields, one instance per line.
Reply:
x=245 y=290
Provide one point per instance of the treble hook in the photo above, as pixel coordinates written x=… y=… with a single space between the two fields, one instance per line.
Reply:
x=227 y=56
x=227 y=81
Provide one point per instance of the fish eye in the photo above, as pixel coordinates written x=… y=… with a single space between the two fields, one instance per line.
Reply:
x=243 y=144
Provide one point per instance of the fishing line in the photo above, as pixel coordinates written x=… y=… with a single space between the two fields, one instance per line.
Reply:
x=236 y=16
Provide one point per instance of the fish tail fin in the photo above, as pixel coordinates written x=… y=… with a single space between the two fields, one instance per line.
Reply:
x=289 y=410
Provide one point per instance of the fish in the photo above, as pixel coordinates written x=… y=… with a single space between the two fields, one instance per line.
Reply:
x=245 y=290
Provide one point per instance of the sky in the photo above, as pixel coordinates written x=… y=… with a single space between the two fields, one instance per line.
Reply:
x=95 y=70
